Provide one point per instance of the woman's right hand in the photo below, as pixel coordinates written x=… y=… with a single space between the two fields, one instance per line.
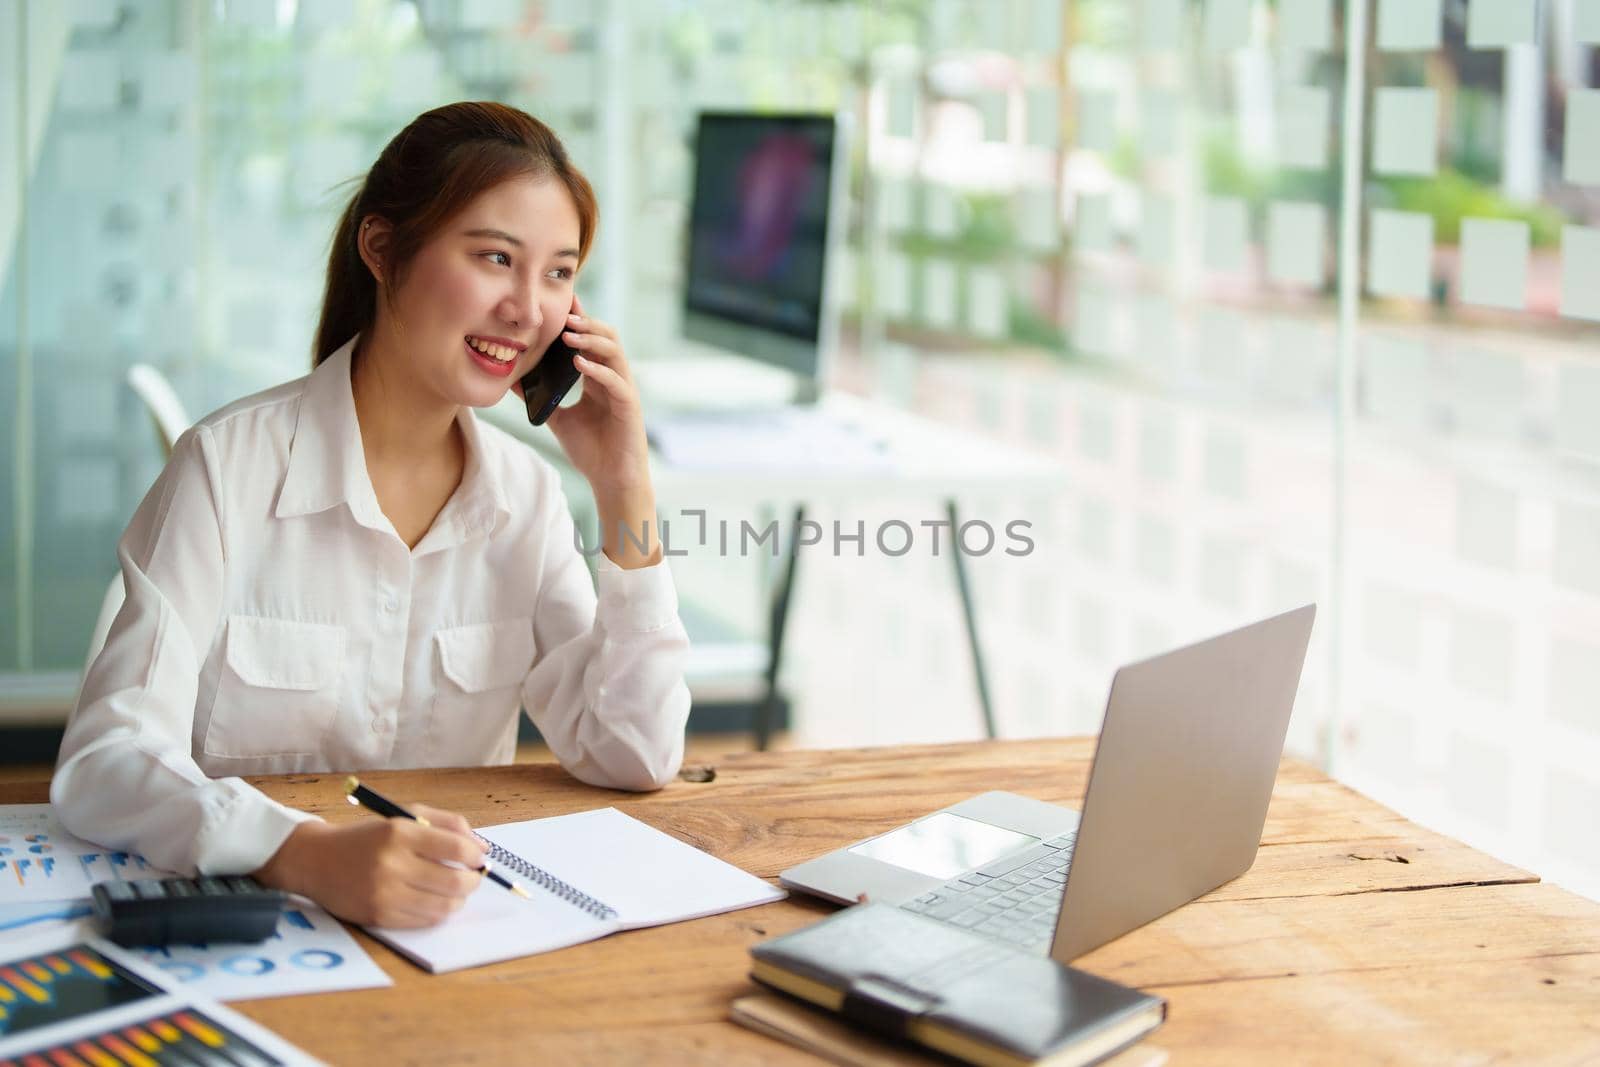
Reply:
x=381 y=872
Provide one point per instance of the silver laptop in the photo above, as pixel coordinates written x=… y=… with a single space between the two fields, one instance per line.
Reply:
x=1176 y=802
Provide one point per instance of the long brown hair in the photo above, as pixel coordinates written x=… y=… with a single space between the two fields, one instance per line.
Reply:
x=426 y=175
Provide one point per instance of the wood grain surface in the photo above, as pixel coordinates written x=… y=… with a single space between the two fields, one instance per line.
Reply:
x=1357 y=937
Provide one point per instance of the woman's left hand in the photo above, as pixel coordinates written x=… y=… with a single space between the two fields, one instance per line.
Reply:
x=603 y=433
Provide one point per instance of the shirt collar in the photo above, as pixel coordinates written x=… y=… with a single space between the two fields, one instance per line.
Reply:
x=327 y=465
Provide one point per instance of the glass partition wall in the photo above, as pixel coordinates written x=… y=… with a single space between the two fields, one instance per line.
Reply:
x=1299 y=295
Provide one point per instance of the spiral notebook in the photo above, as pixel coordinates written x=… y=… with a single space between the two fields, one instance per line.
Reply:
x=591 y=874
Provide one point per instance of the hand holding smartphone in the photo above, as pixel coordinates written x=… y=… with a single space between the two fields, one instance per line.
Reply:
x=550 y=379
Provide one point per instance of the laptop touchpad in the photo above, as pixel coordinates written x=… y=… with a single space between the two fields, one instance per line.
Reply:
x=943 y=845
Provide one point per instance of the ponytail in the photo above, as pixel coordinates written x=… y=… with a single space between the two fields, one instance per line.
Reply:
x=350 y=295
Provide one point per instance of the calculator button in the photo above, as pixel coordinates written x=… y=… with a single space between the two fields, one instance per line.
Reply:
x=148 y=889
x=213 y=887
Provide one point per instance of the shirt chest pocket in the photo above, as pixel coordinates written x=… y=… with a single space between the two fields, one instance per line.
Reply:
x=278 y=691
x=479 y=688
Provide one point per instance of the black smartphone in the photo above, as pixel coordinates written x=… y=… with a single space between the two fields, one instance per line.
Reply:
x=550 y=379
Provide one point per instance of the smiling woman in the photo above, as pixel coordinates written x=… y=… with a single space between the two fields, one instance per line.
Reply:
x=426 y=178
x=350 y=571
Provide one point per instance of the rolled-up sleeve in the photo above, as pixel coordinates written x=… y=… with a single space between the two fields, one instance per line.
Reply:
x=607 y=690
x=125 y=777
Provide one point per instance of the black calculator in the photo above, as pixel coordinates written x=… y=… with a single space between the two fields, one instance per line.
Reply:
x=191 y=911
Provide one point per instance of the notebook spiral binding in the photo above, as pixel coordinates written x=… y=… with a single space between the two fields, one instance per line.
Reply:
x=547 y=881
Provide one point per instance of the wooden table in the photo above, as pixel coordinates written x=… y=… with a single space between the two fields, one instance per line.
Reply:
x=1357 y=937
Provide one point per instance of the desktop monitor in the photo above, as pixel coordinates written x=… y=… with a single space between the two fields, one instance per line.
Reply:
x=763 y=226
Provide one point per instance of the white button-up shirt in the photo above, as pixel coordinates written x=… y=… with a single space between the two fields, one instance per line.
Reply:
x=275 y=622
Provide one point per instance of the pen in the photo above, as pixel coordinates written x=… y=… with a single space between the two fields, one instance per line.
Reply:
x=356 y=793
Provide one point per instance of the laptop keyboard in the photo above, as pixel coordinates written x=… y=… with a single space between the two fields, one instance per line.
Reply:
x=1014 y=899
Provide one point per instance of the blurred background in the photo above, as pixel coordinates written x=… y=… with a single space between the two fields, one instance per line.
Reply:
x=1297 y=298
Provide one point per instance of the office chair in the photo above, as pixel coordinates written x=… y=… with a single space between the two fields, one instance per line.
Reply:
x=161 y=401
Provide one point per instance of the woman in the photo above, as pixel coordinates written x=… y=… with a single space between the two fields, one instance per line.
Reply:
x=350 y=571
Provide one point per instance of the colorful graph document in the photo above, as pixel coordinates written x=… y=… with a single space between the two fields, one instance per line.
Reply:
x=67 y=999
x=310 y=953
x=22 y=917
x=45 y=878
x=39 y=860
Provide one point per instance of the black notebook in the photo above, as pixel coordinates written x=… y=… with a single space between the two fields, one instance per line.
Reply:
x=970 y=997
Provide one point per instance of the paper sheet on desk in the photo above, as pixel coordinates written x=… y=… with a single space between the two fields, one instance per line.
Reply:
x=780 y=440
x=40 y=861
x=75 y=999
x=311 y=952
x=22 y=918
x=45 y=878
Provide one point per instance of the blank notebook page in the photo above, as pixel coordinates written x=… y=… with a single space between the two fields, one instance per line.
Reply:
x=496 y=925
x=649 y=877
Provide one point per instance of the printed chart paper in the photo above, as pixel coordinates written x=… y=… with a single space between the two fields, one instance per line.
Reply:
x=310 y=953
x=40 y=861
x=65 y=998
x=45 y=879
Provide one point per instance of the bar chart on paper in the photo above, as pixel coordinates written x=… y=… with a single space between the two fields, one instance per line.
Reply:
x=45 y=877
x=40 y=990
x=78 y=982
x=180 y=1038
x=39 y=860
x=311 y=952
